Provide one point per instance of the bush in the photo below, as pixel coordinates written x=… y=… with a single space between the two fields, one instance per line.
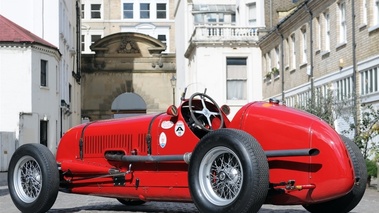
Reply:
x=372 y=169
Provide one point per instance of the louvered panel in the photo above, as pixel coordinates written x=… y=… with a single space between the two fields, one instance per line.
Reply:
x=142 y=144
x=95 y=146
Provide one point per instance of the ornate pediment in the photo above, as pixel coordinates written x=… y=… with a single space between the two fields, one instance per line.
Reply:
x=127 y=45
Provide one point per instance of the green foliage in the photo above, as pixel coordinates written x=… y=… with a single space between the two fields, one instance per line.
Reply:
x=372 y=169
x=366 y=129
x=322 y=107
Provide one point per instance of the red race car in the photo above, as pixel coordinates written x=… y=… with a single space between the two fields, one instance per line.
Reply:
x=268 y=153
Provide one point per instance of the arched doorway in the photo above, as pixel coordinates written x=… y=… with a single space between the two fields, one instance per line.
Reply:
x=128 y=104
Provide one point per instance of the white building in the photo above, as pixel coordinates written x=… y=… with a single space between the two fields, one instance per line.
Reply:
x=151 y=17
x=216 y=46
x=40 y=105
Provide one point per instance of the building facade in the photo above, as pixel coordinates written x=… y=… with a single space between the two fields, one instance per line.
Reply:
x=45 y=87
x=101 y=18
x=128 y=50
x=320 y=46
x=219 y=43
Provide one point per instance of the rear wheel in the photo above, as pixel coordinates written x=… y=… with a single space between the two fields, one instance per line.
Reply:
x=33 y=178
x=350 y=200
x=228 y=172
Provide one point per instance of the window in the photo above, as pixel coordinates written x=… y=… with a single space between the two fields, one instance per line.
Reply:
x=95 y=11
x=376 y=12
x=268 y=61
x=277 y=57
x=364 y=11
x=128 y=10
x=43 y=73
x=144 y=10
x=94 y=38
x=252 y=14
x=327 y=32
x=370 y=81
x=304 y=45
x=162 y=38
x=205 y=14
x=293 y=52
x=318 y=34
x=43 y=132
x=342 y=14
x=83 y=43
x=286 y=53
x=236 y=78
x=161 y=11
x=82 y=12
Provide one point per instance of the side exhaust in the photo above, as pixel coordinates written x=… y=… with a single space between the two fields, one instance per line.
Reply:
x=292 y=152
x=187 y=156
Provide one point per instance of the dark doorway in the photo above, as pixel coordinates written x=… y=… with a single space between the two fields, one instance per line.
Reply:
x=43 y=132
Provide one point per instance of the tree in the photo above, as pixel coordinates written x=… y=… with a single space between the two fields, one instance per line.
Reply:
x=367 y=129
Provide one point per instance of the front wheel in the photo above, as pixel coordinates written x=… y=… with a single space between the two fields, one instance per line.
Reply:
x=228 y=172
x=33 y=178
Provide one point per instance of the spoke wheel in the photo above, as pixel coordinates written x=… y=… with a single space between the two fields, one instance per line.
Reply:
x=27 y=179
x=33 y=178
x=221 y=175
x=228 y=172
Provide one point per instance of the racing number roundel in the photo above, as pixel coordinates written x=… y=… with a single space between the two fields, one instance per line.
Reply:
x=179 y=128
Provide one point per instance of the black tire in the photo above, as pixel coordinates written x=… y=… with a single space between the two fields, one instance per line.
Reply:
x=228 y=172
x=131 y=202
x=349 y=201
x=33 y=178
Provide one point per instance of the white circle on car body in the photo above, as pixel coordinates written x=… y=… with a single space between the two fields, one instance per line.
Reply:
x=179 y=128
x=162 y=139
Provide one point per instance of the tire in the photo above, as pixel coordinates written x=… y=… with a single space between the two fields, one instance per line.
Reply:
x=33 y=178
x=349 y=201
x=228 y=172
x=131 y=202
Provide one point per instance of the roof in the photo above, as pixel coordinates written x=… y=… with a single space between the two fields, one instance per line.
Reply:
x=12 y=32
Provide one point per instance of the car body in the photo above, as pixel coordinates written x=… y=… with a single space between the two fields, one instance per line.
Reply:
x=268 y=153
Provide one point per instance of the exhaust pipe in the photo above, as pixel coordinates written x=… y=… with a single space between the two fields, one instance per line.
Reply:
x=187 y=156
x=292 y=152
x=148 y=158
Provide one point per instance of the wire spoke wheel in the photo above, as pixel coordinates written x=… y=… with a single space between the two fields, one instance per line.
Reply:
x=33 y=178
x=228 y=172
x=222 y=177
x=27 y=179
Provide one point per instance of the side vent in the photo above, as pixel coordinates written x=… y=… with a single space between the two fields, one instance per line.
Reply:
x=142 y=144
x=95 y=146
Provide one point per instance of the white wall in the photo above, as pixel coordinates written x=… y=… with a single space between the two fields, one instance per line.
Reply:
x=15 y=86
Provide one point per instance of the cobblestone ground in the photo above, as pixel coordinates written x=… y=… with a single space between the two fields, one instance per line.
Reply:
x=81 y=203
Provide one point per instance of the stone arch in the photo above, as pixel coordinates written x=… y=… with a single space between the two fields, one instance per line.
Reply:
x=126 y=62
x=128 y=104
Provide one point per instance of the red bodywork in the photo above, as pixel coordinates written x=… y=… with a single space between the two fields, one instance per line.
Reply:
x=293 y=180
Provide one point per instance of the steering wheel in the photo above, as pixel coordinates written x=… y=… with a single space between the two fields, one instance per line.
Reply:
x=204 y=111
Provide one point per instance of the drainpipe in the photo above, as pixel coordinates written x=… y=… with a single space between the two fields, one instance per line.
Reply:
x=78 y=43
x=311 y=53
x=281 y=62
x=354 y=77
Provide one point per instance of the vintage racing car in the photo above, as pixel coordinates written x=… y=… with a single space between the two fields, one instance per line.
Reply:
x=268 y=153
